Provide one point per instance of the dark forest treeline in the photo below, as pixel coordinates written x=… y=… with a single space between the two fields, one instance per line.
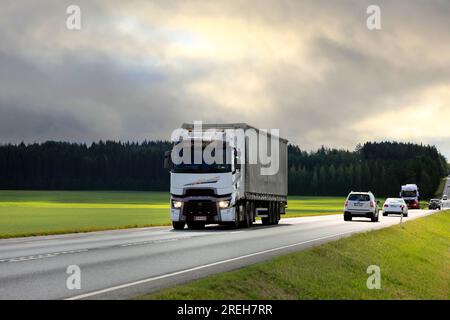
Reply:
x=379 y=167
x=70 y=166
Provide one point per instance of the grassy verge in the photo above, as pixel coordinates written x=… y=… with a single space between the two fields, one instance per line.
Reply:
x=30 y=213
x=414 y=262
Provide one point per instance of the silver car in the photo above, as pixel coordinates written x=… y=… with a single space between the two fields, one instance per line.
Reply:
x=395 y=206
x=361 y=204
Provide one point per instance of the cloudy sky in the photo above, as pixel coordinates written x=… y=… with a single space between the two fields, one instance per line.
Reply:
x=138 y=69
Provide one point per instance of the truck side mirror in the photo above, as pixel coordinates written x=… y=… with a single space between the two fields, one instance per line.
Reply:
x=168 y=160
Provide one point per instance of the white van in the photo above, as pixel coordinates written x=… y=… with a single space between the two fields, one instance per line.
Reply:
x=361 y=204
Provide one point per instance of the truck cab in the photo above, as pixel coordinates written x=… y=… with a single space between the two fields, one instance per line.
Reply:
x=410 y=193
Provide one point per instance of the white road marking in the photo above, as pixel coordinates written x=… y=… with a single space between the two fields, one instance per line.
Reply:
x=42 y=256
x=130 y=244
x=168 y=275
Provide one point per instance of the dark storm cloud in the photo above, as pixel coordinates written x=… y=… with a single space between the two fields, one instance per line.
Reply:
x=137 y=70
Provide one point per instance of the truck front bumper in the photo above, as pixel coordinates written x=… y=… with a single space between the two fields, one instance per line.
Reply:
x=176 y=216
x=198 y=211
x=413 y=205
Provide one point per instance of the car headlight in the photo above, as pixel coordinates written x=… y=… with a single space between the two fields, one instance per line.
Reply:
x=224 y=204
x=176 y=204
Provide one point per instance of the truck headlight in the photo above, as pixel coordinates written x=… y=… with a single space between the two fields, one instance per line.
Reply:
x=176 y=204
x=224 y=204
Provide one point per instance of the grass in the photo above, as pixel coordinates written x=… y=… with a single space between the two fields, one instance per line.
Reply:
x=414 y=262
x=29 y=213
x=301 y=206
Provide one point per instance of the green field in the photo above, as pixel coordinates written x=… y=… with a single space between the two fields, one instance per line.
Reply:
x=27 y=213
x=414 y=263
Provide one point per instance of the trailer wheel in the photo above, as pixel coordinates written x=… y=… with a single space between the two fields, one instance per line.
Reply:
x=276 y=213
x=272 y=213
x=267 y=221
x=252 y=212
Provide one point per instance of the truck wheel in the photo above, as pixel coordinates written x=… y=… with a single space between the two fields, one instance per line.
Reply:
x=235 y=224
x=246 y=223
x=247 y=219
x=178 y=225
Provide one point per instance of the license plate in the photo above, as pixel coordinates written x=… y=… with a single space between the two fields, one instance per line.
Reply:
x=199 y=218
x=358 y=204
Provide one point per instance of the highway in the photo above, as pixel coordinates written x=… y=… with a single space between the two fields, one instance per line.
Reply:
x=446 y=203
x=121 y=264
x=446 y=191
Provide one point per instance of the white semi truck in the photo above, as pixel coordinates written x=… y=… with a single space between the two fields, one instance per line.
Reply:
x=234 y=192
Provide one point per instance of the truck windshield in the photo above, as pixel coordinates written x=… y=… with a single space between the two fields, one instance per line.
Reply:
x=411 y=194
x=201 y=168
x=224 y=166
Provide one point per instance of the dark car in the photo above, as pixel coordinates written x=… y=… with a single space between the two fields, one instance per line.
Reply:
x=435 y=204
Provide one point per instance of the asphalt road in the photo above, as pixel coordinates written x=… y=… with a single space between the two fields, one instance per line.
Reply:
x=446 y=204
x=124 y=263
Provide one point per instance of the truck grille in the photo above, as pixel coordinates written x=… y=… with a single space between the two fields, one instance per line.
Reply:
x=199 y=192
x=203 y=208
